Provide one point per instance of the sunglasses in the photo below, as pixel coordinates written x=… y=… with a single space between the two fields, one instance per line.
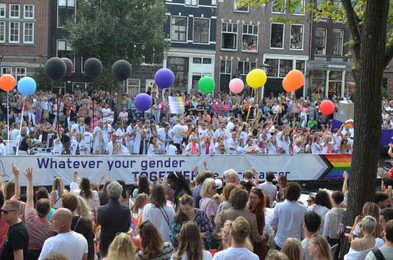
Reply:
x=5 y=212
x=214 y=187
x=309 y=201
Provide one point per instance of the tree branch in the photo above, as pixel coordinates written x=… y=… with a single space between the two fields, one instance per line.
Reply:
x=353 y=23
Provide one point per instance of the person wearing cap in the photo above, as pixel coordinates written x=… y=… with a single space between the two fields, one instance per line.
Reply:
x=113 y=217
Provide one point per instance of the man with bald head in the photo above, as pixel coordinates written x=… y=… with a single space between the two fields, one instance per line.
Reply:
x=67 y=242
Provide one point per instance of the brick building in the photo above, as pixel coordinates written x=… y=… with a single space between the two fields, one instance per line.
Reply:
x=23 y=36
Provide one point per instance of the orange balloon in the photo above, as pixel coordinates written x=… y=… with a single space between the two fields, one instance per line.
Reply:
x=7 y=82
x=287 y=85
x=295 y=79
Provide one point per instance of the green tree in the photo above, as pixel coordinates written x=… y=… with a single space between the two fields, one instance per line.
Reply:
x=372 y=50
x=111 y=30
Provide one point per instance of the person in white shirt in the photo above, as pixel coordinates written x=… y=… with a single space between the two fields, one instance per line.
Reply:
x=207 y=146
x=88 y=138
x=171 y=149
x=269 y=188
x=78 y=146
x=163 y=137
x=192 y=147
x=100 y=135
x=14 y=136
x=232 y=143
x=67 y=242
x=289 y=215
x=3 y=150
x=177 y=133
x=240 y=230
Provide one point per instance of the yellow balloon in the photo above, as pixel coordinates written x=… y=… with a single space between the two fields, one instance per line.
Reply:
x=256 y=78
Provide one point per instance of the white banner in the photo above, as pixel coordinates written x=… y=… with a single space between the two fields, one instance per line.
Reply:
x=298 y=167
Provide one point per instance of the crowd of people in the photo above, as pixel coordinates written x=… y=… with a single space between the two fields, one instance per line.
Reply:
x=224 y=218
x=101 y=123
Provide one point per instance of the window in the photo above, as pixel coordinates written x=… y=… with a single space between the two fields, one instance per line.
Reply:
x=296 y=37
x=2 y=10
x=320 y=41
x=250 y=38
x=300 y=65
x=197 y=60
x=277 y=7
x=179 y=66
x=20 y=72
x=14 y=32
x=285 y=67
x=299 y=8
x=244 y=67
x=65 y=11
x=277 y=36
x=2 y=32
x=201 y=30
x=14 y=11
x=179 y=29
x=338 y=37
x=226 y=66
x=318 y=84
x=64 y=49
x=191 y=2
x=239 y=8
x=28 y=32
x=6 y=70
x=229 y=36
x=207 y=61
x=273 y=67
x=133 y=86
x=28 y=12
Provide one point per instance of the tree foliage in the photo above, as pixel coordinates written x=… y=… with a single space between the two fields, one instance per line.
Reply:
x=118 y=29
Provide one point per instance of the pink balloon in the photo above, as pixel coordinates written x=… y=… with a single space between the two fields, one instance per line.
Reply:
x=236 y=86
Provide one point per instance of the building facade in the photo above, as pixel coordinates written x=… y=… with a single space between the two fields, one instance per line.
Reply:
x=248 y=38
x=191 y=29
x=23 y=37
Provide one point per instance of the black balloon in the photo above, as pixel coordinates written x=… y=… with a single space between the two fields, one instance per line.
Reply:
x=121 y=69
x=93 y=67
x=55 y=68
x=70 y=66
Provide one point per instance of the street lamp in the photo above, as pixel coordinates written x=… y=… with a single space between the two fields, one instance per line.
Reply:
x=265 y=67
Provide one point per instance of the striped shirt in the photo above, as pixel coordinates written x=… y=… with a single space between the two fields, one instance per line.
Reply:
x=38 y=228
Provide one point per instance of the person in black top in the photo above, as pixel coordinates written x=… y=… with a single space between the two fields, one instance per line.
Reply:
x=27 y=143
x=17 y=240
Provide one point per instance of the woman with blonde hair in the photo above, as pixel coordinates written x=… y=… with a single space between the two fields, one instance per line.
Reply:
x=292 y=248
x=121 y=248
x=137 y=208
x=226 y=238
x=152 y=243
x=369 y=209
x=207 y=203
x=57 y=192
x=83 y=209
x=190 y=244
x=319 y=248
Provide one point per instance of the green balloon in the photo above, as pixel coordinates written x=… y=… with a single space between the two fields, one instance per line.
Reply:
x=206 y=84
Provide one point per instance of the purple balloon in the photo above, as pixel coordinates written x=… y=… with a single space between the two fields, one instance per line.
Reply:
x=143 y=102
x=164 y=78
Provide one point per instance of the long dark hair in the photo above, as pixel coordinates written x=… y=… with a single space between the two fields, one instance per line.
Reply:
x=86 y=191
x=181 y=187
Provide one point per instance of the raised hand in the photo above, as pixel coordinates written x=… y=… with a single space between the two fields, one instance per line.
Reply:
x=15 y=170
x=29 y=174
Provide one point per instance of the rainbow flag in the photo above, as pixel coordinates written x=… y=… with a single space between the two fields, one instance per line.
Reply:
x=337 y=164
x=280 y=150
x=348 y=125
x=176 y=105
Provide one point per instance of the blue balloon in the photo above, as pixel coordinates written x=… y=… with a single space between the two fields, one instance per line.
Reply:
x=27 y=86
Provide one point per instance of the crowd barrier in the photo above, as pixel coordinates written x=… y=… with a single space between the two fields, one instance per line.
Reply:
x=302 y=167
